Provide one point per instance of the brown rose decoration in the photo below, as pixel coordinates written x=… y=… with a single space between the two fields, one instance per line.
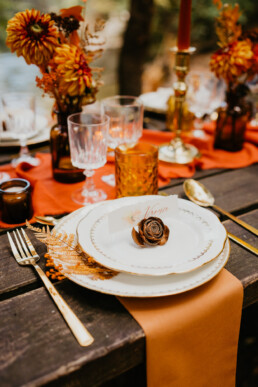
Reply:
x=152 y=232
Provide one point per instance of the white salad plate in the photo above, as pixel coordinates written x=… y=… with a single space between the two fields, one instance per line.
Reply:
x=196 y=237
x=42 y=134
x=156 y=101
x=128 y=285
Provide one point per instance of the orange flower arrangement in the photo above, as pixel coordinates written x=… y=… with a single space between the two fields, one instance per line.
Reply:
x=236 y=61
x=51 y=41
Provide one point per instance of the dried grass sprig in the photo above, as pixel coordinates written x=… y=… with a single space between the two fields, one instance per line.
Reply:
x=65 y=255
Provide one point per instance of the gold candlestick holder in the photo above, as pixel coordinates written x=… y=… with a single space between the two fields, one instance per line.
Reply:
x=177 y=151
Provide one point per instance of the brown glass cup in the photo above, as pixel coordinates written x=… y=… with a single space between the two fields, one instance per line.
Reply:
x=15 y=201
x=136 y=167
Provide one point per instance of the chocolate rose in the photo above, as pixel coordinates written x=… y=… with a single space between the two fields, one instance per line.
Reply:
x=151 y=232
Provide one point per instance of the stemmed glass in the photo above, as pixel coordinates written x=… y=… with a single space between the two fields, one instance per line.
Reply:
x=88 y=147
x=19 y=122
x=126 y=119
x=205 y=94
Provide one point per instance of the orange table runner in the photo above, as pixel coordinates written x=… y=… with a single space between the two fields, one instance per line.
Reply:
x=192 y=338
x=51 y=197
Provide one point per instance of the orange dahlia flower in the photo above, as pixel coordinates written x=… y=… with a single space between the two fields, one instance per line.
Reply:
x=232 y=61
x=72 y=66
x=33 y=36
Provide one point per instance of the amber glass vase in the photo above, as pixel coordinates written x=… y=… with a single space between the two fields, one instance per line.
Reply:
x=63 y=170
x=232 y=119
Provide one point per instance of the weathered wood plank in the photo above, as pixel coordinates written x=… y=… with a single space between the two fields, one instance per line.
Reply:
x=234 y=191
x=35 y=338
x=198 y=175
x=242 y=263
x=14 y=277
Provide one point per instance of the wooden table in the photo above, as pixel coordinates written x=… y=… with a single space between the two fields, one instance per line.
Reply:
x=37 y=348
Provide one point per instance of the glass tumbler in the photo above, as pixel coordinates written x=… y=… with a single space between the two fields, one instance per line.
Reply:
x=15 y=201
x=136 y=168
x=126 y=119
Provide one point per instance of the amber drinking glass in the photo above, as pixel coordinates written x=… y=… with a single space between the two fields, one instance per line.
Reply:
x=15 y=201
x=136 y=169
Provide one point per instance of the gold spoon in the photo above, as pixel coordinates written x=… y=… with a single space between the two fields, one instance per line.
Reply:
x=200 y=195
x=49 y=220
x=197 y=193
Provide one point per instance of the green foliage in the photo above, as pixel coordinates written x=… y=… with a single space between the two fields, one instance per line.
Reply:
x=204 y=12
x=165 y=20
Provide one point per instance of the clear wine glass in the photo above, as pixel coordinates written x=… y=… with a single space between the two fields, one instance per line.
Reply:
x=19 y=123
x=205 y=94
x=88 y=146
x=126 y=119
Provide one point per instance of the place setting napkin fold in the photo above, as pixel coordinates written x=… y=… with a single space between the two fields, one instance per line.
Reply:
x=192 y=338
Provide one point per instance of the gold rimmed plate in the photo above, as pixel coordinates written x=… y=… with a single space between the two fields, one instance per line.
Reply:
x=196 y=238
x=127 y=285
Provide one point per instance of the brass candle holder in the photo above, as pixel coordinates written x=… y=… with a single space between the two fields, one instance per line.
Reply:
x=177 y=151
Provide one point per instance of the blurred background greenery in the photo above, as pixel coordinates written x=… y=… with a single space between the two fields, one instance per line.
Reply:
x=154 y=65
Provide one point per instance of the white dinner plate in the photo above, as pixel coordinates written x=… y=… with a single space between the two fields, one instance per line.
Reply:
x=196 y=237
x=156 y=101
x=43 y=133
x=128 y=285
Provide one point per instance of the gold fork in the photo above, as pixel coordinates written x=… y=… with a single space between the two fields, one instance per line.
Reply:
x=25 y=254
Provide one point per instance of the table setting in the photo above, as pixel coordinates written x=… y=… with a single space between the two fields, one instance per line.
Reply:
x=146 y=240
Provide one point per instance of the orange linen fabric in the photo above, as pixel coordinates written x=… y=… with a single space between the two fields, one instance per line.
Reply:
x=51 y=197
x=192 y=338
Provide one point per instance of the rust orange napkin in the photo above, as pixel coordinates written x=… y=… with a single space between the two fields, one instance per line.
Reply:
x=192 y=338
x=48 y=195
x=51 y=197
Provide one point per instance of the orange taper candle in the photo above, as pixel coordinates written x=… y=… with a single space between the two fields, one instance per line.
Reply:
x=183 y=38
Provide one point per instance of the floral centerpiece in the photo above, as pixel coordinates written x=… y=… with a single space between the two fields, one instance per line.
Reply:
x=53 y=43
x=236 y=62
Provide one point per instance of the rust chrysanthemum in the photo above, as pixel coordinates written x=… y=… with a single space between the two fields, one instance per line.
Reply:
x=75 y=73
x=33 y=36
x=232 y=61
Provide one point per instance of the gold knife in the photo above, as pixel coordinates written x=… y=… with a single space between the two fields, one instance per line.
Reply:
x=243 y=243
